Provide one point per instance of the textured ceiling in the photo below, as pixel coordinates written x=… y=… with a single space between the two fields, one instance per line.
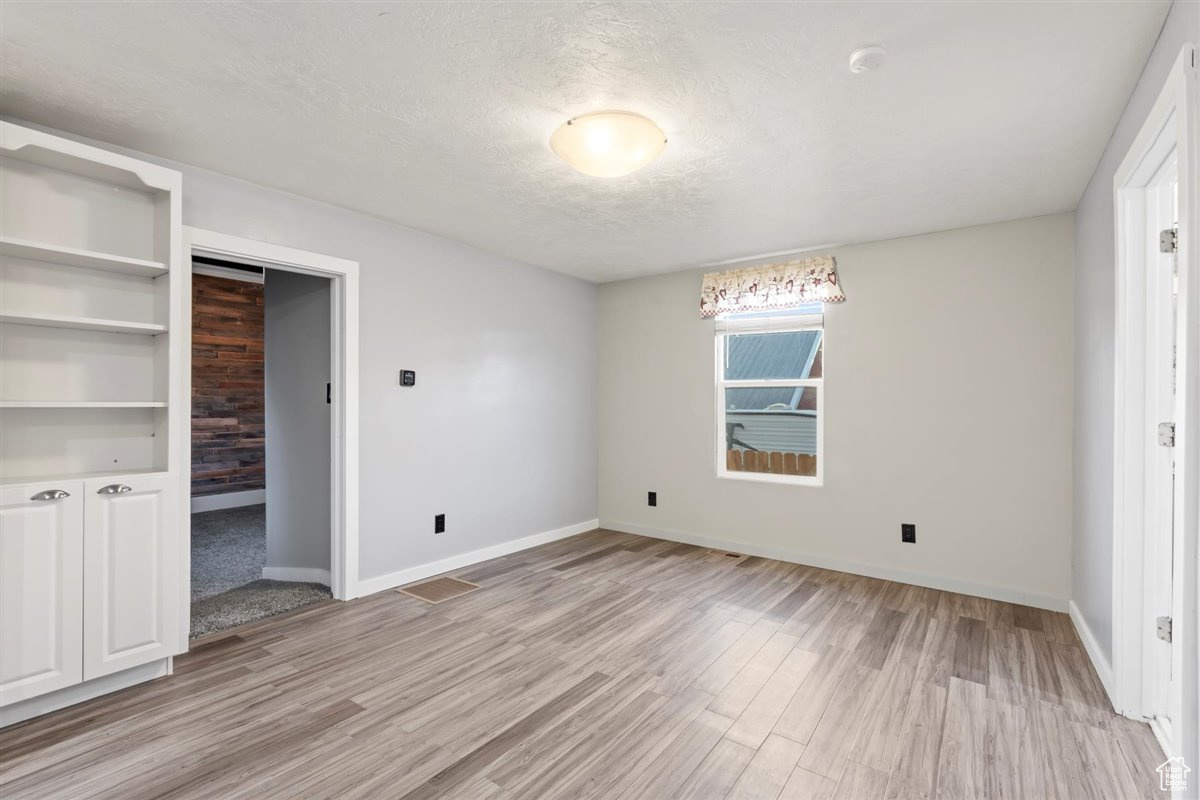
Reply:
x=438 y=115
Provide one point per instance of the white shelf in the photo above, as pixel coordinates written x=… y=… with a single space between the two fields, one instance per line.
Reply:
x=73 y=257
x=16 y=480
x=82 y=323
x=81 y=404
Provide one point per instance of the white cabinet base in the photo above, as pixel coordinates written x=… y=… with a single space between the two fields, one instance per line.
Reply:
x=131 y=572
x=41 y=589
x=88 y=690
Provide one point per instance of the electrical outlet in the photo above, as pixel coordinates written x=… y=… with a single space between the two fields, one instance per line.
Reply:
x=439 y=523
x=652 y=498
x=908 y=533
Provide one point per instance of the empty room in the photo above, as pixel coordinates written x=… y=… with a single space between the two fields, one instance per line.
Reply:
x=553 y=400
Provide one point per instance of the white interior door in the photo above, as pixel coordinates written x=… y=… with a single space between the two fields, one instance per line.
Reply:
x=41 y=589
x=131 y=582
x=1162 y=214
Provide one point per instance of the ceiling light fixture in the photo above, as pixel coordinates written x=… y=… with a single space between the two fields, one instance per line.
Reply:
x=608 y=144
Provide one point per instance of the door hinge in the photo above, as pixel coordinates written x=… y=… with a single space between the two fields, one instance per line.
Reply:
x=1164 y=628
x=1166 y=434
x=1168 y=241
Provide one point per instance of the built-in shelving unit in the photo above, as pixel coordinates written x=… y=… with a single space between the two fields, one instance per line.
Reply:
x=90 y=292
x=93 y=420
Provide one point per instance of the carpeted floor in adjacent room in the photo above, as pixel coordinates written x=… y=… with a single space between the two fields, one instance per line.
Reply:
x=229 y=549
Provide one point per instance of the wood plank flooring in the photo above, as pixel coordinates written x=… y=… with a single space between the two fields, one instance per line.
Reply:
x=611 y=666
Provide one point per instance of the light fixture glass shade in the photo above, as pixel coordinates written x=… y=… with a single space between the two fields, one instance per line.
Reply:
x=608 y=144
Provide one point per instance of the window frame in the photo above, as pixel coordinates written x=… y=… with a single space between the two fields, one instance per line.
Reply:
x=738 y=325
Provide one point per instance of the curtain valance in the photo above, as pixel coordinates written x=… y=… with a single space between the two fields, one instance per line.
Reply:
x=771 y=287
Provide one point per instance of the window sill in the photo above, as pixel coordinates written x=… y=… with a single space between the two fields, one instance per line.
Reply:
x=769 y=477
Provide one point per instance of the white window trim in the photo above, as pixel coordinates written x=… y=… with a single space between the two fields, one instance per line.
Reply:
x=734 y=325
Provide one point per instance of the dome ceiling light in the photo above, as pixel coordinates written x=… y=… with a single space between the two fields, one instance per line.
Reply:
x=608 y=144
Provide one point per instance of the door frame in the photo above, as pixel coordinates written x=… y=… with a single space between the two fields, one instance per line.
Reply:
x=1173 y=116
x=344 y=495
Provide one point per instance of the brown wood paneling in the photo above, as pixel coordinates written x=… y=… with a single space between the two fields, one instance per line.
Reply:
x=228 y=412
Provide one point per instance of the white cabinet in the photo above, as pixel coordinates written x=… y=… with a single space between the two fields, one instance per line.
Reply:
x=41 y=602
x=93 y=394
x=89 y=580
x=130 y=581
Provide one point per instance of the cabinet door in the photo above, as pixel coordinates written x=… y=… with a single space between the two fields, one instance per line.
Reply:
x=41 y=589
x=131 y=572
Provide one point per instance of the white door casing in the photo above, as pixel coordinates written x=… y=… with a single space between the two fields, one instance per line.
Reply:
x=41 y=602
x=1159 y=598
x=1156 y=535
x=343 y=275
x=131 y=582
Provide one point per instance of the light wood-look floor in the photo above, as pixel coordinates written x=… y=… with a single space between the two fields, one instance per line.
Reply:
x=612 y=666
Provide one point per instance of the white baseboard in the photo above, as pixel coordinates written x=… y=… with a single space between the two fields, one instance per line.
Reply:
x=216 y=502
x=406 y=576
x=1103 y=668
x=36 y=706
x=300 y=574
x=853 y=567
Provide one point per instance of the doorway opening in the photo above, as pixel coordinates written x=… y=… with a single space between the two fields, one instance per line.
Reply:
x=260 y=474
x=274 y=370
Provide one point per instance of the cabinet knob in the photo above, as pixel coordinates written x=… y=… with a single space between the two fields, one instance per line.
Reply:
x=50 y=494
x=114 y=488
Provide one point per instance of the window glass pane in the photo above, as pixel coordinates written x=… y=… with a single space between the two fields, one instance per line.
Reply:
x=762 y=356
x=771 y=430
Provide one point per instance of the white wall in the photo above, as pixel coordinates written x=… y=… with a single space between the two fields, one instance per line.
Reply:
x=296 y=341
x=948 y=380
x=1095 y=303
x=499 y=432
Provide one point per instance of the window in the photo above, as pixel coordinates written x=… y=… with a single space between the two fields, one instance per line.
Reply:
x=769 y=396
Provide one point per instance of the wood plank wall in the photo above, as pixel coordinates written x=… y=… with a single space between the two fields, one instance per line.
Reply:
x=228 y=413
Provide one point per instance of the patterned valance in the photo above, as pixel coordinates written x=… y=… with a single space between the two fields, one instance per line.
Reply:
x=771 y=287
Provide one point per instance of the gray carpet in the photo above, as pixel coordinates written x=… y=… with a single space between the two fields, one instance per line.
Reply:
x=229 y=549
x=254 y=601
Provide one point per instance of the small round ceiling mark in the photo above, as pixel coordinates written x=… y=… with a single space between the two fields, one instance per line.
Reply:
x=866 y=59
